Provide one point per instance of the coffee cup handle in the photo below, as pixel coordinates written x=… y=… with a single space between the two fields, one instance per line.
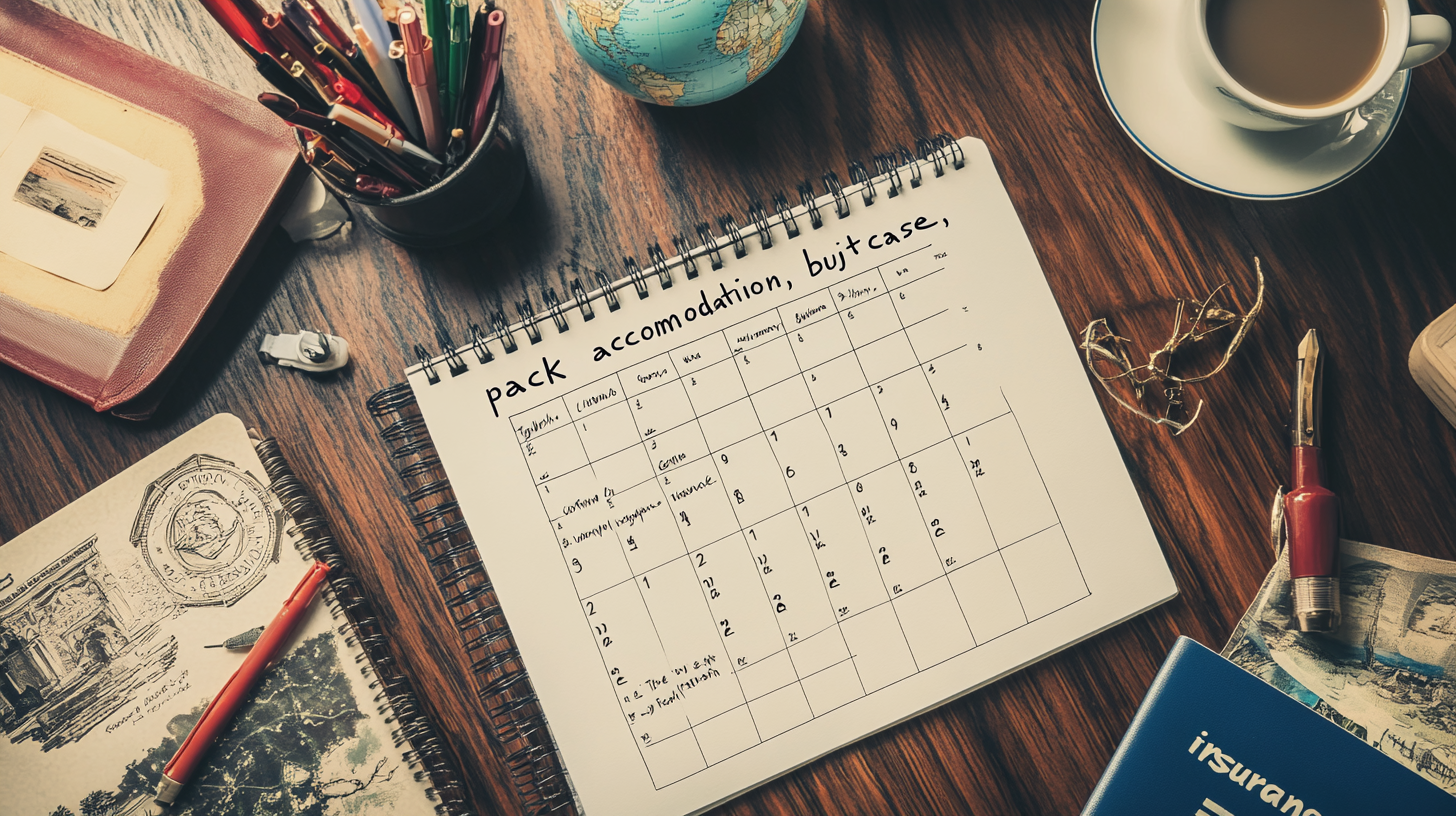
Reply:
x=1430 y=34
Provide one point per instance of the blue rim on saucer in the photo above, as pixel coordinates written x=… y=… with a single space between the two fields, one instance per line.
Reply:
x=1274 y=155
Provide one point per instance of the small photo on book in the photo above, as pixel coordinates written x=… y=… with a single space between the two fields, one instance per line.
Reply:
x=69 y=188
x=71 y=203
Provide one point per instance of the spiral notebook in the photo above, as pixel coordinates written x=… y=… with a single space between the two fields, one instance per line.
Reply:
x=818 y=473
x=107 y=610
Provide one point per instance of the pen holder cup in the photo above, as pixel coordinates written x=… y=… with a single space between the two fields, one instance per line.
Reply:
x=472 y=198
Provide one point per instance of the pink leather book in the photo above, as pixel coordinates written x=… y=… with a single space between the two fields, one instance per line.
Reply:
x=249 y=167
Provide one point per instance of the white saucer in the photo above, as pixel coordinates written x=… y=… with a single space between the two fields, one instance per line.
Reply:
x=1132 y=52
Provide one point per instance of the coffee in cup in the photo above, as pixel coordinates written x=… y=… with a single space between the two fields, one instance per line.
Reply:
x=1283 y=64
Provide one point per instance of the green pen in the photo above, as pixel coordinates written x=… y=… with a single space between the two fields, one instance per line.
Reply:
x=437 y=28
x=459 y=58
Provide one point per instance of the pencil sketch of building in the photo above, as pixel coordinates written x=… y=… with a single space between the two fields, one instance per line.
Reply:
x=73 y=649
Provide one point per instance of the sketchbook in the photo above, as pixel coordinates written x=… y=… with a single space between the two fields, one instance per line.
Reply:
x=816 y=474
x=107 y=610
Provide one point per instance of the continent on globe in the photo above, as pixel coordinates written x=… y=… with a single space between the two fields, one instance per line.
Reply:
x=680 y=52
x=754 y=26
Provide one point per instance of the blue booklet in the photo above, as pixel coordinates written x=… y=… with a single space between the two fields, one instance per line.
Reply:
x=1213 y=740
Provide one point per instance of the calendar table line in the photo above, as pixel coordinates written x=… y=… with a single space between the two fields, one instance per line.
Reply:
x=659 y=433
x=679 y=378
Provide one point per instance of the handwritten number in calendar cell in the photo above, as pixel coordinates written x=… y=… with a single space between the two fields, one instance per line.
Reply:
x=833 y=582
x=702 y=560
x=763 y=563
x=779 y=605
x=975 y=467
x=727 y=630
x=576 y=565
x=713 y=592
x=591 y=608
x=884 y=556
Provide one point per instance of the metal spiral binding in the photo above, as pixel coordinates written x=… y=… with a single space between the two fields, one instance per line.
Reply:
x=501 y=680
x=529 y=318
x=735 y=235
x=553 y=308
x=759 y=216
x=709 y=245
x=786 y=215
x=453 y=361
x=360 y=629
x=859 y=175
x=634 y=273
x=684 y=251
x=811 y=204
x=841 y=202
x=658 y=259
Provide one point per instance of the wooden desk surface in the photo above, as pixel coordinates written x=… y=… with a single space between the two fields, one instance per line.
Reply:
x=1368 y=263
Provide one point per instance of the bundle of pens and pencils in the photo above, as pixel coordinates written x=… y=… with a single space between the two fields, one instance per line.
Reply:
x=347 y=95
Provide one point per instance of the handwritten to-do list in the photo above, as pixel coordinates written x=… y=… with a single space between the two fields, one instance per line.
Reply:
x=795 y=500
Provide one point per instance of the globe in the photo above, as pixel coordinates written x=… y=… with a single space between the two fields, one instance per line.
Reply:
x=680 y=52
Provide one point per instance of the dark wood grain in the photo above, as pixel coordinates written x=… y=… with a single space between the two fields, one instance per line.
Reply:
x=1367 y=262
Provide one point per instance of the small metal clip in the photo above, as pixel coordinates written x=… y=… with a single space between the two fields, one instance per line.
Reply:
x=307 y=351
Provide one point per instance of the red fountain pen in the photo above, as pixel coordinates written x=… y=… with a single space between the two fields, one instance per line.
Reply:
x=1311 y=510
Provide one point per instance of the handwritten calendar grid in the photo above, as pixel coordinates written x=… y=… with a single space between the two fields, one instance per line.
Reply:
x=779 y=518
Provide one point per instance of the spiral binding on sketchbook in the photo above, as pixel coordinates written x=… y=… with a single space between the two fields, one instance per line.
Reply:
x=394 y=698
x=502 y=683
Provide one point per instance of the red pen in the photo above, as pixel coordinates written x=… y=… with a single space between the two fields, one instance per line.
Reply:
x=242 y=20
x=219 y=713
x=485 y=75
x=377 y=186
x=419 y=63
x=351 y=95
x=1311 y=510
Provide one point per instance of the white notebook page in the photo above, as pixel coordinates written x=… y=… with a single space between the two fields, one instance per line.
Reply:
x=768 y=511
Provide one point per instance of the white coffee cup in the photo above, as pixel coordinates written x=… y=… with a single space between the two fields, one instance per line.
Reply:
x=1409 y=41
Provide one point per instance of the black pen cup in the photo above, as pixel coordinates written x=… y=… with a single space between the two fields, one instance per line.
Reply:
x=473 y=197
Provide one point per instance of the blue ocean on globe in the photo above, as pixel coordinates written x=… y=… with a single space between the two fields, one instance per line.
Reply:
x=681 y=52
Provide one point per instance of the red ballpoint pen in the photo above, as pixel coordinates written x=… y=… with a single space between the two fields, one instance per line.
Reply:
x=1311 y=510
x=219 y=713
x=241 y=19
x=419 y=63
